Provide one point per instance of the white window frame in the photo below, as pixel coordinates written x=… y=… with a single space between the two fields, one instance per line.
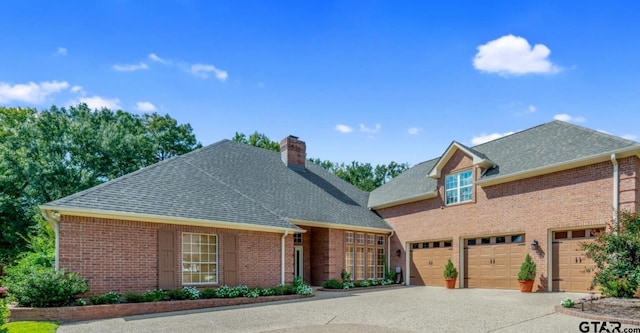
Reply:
x=457 y=188
x=184 y=262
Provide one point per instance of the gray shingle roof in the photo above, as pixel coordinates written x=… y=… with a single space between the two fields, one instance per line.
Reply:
x=232 y=182
x=548 y=144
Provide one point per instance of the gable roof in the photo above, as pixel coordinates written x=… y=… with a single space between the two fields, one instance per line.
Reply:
x=478 y=158
x=546 y=148
x=229 y=184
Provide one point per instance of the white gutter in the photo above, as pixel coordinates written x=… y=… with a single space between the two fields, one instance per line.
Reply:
x=407 y=259
x=616 y=194
x=284 y=236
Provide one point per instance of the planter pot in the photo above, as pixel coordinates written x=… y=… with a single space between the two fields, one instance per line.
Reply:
x=450 y=283
x=526 y=286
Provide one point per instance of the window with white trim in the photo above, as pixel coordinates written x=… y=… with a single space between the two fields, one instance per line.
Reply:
x=297 y=238
x=199 y=258
x=459 y=187
x=349 y=237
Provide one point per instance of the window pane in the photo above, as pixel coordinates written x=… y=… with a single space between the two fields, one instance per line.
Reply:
x=380 y=240
x=466 y=193
x=199 y=258
x=359 y=263
x=451 y=182
x=466 y=178
x=471 y=241
x=500 y=240
x=452 y=196
x=517 y=239
x=380 y=267
x=348 y=255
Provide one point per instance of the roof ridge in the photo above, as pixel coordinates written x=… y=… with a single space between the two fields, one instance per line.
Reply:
x=117 y=180
x=597 y=132
x=517 y=132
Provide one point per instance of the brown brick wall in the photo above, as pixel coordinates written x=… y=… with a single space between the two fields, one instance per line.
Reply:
x=566 y=199
x=116 y=255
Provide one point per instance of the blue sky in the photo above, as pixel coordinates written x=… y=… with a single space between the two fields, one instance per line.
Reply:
x=369 y=81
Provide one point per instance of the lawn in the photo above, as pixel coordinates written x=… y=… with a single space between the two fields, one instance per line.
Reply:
x=32 y=327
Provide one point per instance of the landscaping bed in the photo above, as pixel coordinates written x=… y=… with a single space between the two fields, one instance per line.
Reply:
x=361 y=288
x=624 y=310
x=93 y=312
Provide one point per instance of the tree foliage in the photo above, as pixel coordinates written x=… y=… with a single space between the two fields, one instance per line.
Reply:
x=363 y=175
x=258 y=140
x=49 y=154
x=617 y=257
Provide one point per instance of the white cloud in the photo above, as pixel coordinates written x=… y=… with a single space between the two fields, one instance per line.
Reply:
x=145 y=107
x=343 y=128
x=97 y=102
x=61 y=51
x=203 y=70
x=567 y=118
x=31 y=92
x=414 y=131
x=631 y=137
x=482 y=138
x=532 y=108
x=130 y=67
x=366 y=129
x=77 y=89
x=513 y=55
x=156 y=58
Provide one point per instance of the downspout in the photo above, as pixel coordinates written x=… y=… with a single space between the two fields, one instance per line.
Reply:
x=389 y=251
x=616 y=194
x=286 y=233
x=54 y=222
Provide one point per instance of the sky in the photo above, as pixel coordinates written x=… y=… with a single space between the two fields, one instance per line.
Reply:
x=367 y=81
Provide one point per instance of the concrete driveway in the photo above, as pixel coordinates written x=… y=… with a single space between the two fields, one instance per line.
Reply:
x=402 y=309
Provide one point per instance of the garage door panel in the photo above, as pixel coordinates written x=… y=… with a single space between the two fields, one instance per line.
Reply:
x=427 y=266
x=498 y=268
x=570 y=266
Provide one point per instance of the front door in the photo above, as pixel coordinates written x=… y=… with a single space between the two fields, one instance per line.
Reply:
x=297 y=262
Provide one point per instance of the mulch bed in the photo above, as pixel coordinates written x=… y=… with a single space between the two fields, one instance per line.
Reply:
x=624 y=310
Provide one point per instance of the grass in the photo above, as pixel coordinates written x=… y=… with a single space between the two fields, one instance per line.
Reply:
x=32 y=327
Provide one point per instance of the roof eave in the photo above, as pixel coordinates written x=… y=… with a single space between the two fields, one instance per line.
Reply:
x=50 y=210
x=579 y=162
x=338 y=226
x=424 y=196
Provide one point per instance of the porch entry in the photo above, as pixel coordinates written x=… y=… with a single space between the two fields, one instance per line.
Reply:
x=298 y=263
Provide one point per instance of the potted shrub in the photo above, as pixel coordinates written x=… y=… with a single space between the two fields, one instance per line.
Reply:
x=450 y=275
x=527 y=275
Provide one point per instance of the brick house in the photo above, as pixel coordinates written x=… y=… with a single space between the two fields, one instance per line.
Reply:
x=235 y=214
x=226 y=214
x=540 y=191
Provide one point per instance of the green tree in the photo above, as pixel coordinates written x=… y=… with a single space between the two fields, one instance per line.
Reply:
x=617 y=257
x=49 y=154
x=258 y=140
x=363 y=175
x=169 y=138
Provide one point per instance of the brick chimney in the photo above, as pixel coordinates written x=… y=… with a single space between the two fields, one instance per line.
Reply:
x=293 y=152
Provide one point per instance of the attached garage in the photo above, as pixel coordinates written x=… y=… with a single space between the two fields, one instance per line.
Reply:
x=493 y=262
x=570 y=262
x=427 y=262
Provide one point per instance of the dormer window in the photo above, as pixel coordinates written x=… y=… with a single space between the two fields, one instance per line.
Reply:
x=459 y=187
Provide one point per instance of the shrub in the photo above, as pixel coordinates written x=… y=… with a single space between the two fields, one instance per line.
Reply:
x=191 y=292
x=177 y=294
x=332 y=284
x=374 y=282
x=348 y=284
x=111 y=297
x=134 y=298
x=44 y=287
x=156 y=295
x=390 y=275
x=527 y=269
x=450 y=271
x=303 y=289
x=4 y=314
x=285 y=290
x=208 y=293
x=253 y=293
x=266 y=292
x=346 y=276
x=617 y=257
x=228 y=292
x=567 y=303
